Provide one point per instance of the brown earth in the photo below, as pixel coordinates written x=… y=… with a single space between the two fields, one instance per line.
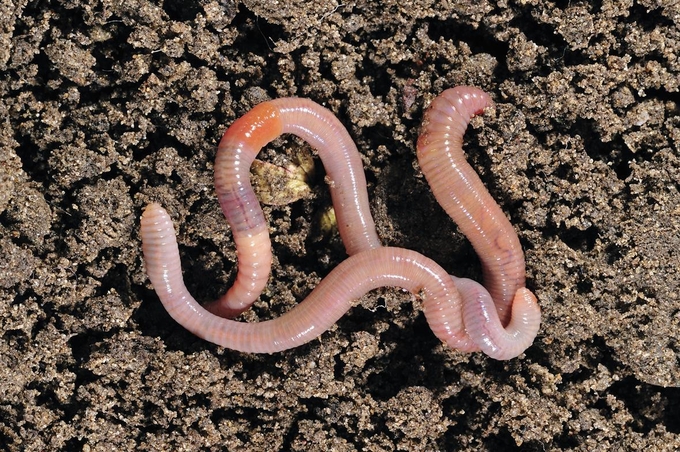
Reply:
x=111 y=104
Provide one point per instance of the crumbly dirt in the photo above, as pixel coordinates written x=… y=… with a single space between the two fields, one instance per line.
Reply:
x=109 y=105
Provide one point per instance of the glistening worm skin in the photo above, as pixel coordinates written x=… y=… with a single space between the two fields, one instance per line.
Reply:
x=330 y=300
x=333 y=297
x=238 y=148
x=484 y=327
x=461 y=193
x=467 y=325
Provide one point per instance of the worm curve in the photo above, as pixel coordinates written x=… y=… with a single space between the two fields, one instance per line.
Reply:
x=237 y=149
x=460 y=191
x=502 y=322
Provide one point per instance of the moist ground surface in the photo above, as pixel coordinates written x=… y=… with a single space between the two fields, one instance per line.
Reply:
x=108 y=105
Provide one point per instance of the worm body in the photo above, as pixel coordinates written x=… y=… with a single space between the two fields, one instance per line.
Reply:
x=460 y=191
x=238 y=148
x=501 y=321
x=323 y=307
x=484 y=326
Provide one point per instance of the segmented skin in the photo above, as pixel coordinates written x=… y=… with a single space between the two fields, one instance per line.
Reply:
x=460 y=191
x=237 y=149
x=502 y=319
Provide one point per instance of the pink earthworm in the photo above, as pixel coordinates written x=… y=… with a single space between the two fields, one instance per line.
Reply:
x=330 y=300
x=468 y=325
x=239 y=146
x=461 y=193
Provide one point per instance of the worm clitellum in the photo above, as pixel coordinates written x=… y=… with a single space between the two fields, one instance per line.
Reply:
x=469 y=322
x=238 y=148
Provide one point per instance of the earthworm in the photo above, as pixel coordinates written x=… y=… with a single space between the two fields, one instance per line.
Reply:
x=469 y=323
x=460 y=191
x=330 y=300
x=237 y=149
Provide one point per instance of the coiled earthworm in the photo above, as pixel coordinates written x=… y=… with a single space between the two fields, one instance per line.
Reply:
x=239 y=146
x=468 y=323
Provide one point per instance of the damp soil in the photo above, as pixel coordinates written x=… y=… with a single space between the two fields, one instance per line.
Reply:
x=108 y=105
